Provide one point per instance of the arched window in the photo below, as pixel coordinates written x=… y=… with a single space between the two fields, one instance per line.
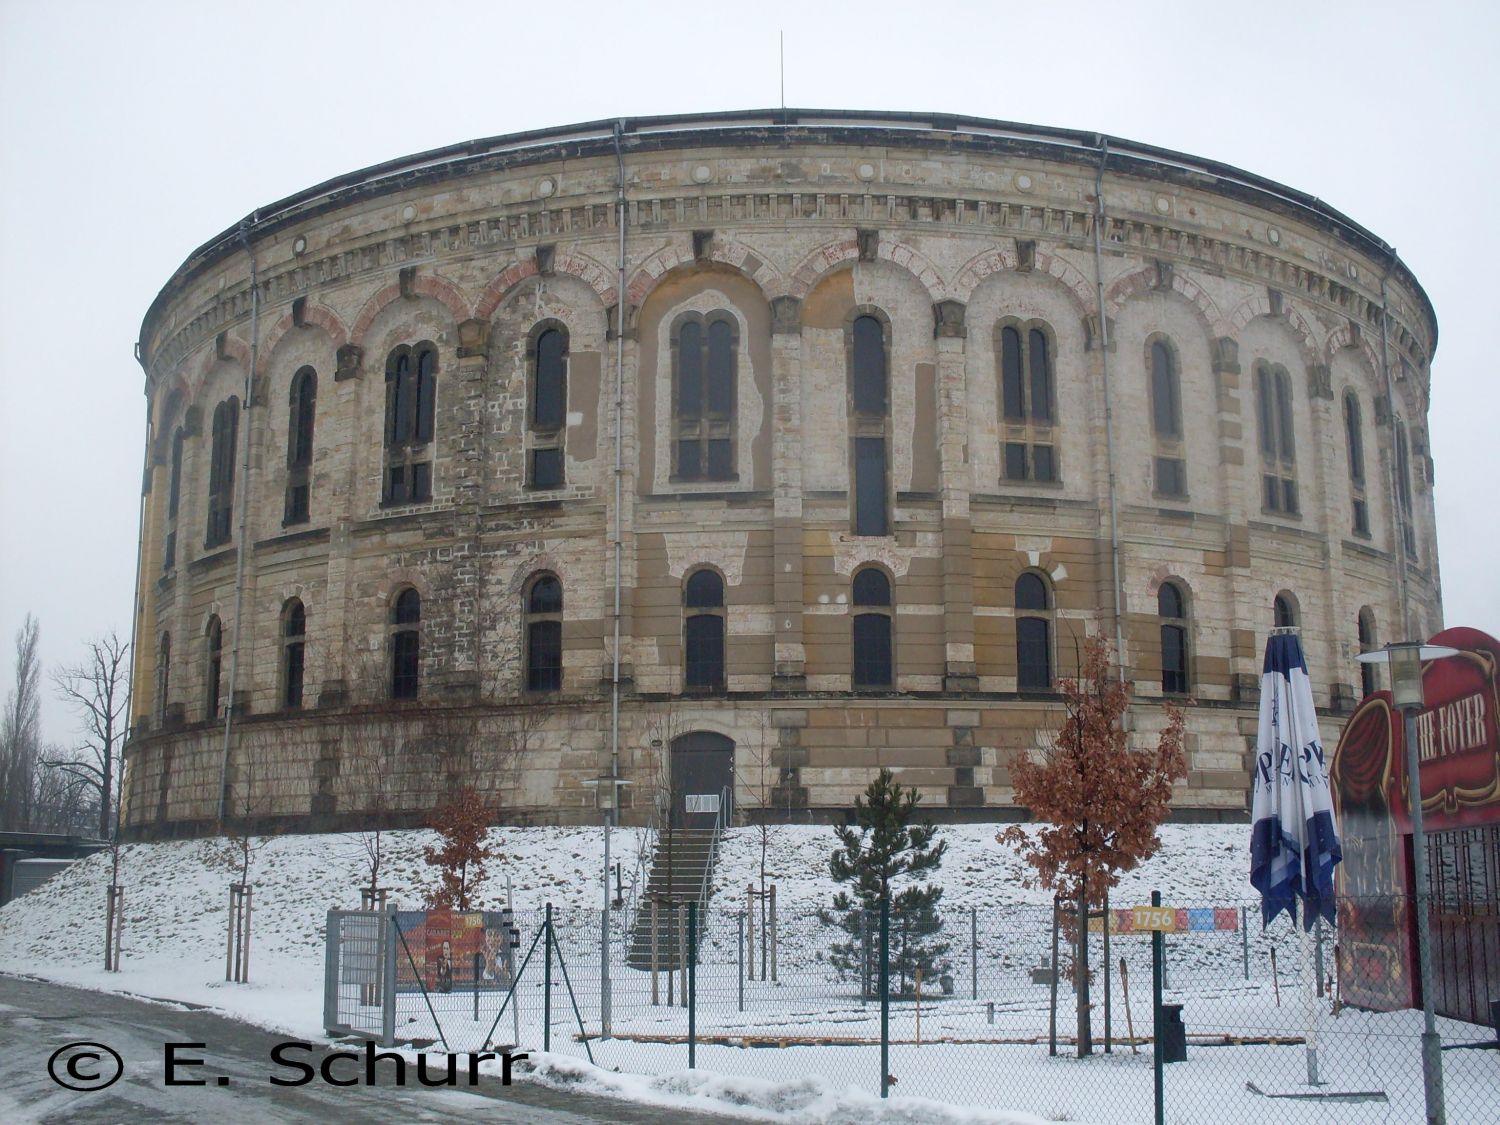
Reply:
x=1284 y=612
x=544 y=606
x=1166 y=420
x=1369 y=676
x=221 y=472
x=174 y=501
x=549 y=408
x=1354 y=439
x=1403 y=490
x=705 y=356
x=703 y=631
x=1033 y=633
x=869 y=395
x=406 y=644
x=1028 y=409
x=871 y=594
x=213 y=667
x=1278 y=449
x=299 y=445
x=410 y=402
x=1171 y=607
x=293 y=652
x=163 y=676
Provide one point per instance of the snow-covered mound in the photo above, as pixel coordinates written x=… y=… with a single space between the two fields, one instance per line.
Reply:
x=176 y=895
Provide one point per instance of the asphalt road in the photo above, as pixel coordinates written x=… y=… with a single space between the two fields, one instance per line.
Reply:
x=37 y=1019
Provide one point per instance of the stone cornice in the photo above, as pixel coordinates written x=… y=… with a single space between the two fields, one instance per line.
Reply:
x=518 y=226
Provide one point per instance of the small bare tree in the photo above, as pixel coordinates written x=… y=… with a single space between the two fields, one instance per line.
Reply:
x=96 y=691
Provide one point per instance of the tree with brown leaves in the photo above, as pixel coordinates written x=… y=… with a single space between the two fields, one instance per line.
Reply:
x=1100 y=801
x=464 y=848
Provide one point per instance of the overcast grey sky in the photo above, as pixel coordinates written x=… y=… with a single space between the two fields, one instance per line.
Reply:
x=132 y=132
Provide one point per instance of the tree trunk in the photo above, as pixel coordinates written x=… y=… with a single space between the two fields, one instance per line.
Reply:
x=106 y=791
x=1081 y=971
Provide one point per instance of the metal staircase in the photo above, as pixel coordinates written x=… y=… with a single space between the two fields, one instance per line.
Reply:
x=681 y=873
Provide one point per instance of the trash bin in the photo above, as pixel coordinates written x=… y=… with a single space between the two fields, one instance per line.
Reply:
x=1173 y=1044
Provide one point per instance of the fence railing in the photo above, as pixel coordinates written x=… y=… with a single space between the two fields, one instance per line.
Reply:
x=879 y=1000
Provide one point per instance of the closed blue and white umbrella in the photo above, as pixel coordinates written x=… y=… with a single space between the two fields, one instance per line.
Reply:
x=1294 y=842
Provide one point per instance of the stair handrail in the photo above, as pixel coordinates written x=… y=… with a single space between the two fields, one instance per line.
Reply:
x=713 y=853
x=644 y=857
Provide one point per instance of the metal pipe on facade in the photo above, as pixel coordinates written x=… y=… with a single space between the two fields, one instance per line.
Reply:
x=614 y=718
x=1109 y=436
x=244 y=523
x=1398 y=517
x=137 y=604
x=612 y=811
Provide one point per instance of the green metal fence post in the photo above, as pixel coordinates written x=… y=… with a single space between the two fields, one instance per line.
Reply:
x=885 y=996
x=692 y=985
x=1108 y=1025
x=1245 y=942
x=973 y=953
x=1157 y=958
x=547 y=987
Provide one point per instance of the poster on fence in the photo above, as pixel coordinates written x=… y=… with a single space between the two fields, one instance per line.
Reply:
x=1172 y=919
x=443 y=951
x=1458 y=751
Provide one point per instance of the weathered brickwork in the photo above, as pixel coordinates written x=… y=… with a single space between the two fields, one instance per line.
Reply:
x=948 y=236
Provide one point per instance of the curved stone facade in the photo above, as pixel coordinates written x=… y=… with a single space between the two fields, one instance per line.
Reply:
x=881 y=465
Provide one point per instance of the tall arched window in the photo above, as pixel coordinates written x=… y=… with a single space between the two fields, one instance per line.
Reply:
x=1170 y=465
x=1278 y=448
x=1403 y=490
x=1028 y=407
x=705 y=355
x=163 y=676
x=873 y=652
x=549 y=407
x=293 y=652
x=1033 y=633
x=1354 y=439
x=1171 y=607
x=299 y=445
x=410 y=402
x=1369 y=676
x=406 y=644
x=221 y=472
x=544 y=606
x=174 y=501
x=703 y=631
x=1284 y=612
x=869 y=395
x=213 y=667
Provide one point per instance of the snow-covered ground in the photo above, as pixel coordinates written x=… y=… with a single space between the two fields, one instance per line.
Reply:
x=994 y=1063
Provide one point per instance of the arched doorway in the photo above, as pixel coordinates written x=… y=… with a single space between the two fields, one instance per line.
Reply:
x=702 y=770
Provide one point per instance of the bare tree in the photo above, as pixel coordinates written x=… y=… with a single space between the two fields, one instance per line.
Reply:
x=763 y=792
x=61 y=801
x=20 y=732
x=96 y=691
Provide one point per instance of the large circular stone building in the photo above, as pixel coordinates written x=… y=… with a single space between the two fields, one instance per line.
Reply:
x=755 y=451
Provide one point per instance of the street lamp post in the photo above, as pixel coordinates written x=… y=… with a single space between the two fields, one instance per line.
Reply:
x=607 y=801
x=1405 y=659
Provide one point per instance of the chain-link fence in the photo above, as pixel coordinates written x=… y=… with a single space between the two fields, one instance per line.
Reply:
x=963 y=1006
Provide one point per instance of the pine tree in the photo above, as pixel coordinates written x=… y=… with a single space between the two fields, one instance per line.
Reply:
x=464 y=826
x=1100 y=800
x=880 y=846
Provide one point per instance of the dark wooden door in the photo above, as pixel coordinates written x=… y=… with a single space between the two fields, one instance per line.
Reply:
x=702 y=769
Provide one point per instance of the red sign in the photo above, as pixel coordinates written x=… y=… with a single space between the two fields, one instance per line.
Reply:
x=1458 y=745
